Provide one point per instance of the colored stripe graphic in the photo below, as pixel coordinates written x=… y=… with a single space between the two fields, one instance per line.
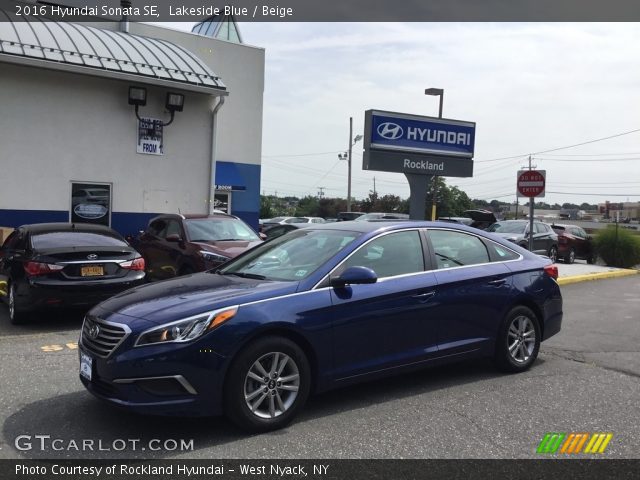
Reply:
x=573 y=443
x=598 y=443
x=551 y=442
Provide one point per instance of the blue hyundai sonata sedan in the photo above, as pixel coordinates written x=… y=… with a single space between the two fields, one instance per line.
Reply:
x=315 y=309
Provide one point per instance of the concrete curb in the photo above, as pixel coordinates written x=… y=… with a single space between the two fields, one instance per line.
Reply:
x=595 y=276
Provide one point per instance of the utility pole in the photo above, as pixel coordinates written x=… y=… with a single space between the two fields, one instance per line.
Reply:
x=321 y=192
x=349 y=165
x=374 y=186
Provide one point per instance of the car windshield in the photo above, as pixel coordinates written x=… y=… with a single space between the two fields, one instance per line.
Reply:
x=291 y=257
x=219 y=229
x=508 y=227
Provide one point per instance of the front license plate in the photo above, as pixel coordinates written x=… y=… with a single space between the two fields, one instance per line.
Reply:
x=86 y=364
x=92 y=271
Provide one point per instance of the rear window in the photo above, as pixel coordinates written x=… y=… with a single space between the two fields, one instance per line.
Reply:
x=43 y=241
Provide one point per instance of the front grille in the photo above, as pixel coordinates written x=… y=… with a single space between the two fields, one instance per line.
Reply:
x=102 y=338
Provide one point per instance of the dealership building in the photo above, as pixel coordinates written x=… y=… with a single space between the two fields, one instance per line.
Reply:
x=115 y=122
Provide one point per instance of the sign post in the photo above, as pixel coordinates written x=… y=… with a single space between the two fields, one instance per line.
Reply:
x=531 y=184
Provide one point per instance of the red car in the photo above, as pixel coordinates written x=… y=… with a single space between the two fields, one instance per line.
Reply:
x=574 y=242
x=174 y=244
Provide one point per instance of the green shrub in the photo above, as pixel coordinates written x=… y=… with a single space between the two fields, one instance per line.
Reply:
x=618 y=249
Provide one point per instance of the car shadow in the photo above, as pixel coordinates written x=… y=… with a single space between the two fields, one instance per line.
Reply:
x=50 y=321
x=78 y=416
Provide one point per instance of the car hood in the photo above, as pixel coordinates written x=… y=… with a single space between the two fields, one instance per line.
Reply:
x=228 y=248
x=182 y=297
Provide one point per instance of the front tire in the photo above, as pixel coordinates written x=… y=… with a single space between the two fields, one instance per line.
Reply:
x=518 y=340
x=267 y=384
x=553 y=253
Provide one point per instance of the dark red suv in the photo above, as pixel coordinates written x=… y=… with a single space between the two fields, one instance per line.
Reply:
x=175 y=244
x=574 y=242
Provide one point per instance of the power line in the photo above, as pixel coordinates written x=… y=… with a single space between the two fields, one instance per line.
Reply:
x=302 y=154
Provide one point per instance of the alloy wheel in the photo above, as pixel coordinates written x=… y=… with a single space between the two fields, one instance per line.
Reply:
x=553 y=254
x=12 y=303
x=521 y=339
x=271 y=385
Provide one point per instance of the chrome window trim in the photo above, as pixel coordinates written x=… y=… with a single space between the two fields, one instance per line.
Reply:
x=179 y=378
x=127 y=332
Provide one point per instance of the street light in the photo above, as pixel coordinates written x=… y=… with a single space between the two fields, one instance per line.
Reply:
x=345 y=156
x=435 y=92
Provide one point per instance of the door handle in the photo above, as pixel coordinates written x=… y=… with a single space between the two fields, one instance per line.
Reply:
x=498 y=282
x=424 y=296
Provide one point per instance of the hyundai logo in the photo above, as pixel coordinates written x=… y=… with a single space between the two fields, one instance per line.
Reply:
x=92 y=256
x=390 y=131
x=94 y=331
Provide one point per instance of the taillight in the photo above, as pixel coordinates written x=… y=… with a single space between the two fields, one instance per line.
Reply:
x=552 y=271
x=37 y=268
x=135 y=264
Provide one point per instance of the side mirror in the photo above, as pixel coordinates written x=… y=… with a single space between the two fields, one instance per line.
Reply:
x=262 y=236
x=174 y=238
x=354 y=276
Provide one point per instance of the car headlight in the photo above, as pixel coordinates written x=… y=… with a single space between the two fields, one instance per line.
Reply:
x=213 y=257
x=187 y=329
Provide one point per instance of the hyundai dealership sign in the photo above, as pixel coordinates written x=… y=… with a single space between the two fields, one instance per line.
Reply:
x=398 y=142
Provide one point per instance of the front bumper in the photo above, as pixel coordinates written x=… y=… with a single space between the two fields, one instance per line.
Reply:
x=172 y=379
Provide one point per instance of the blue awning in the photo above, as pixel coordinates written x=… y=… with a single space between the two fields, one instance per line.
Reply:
x=228 y=177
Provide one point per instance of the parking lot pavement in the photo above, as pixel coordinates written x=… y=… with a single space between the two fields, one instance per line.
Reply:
x=581 y=271
x=586 y=380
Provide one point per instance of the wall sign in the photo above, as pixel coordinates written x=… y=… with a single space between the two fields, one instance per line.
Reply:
x=91 y=203
x=150 y=136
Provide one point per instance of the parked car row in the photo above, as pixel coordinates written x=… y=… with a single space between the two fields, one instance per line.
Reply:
x=79 y=265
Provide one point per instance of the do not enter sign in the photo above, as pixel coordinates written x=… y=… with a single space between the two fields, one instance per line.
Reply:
x=531 y=183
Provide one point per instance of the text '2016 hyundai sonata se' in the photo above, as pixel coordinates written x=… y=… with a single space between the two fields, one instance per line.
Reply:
x=315 y=309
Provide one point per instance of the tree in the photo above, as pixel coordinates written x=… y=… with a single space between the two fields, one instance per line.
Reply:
x=266 y=208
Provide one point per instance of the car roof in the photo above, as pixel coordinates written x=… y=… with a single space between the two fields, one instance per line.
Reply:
x=189 y=216
x=387 y=225
x=66 y=227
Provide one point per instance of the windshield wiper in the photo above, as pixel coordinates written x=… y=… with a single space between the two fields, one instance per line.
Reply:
x=254 y=276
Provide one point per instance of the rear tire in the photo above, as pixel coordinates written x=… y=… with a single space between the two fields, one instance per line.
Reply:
x=592 y=258
x=518 y=340
x=267 y=384
x=16 y=316
x=571 y=256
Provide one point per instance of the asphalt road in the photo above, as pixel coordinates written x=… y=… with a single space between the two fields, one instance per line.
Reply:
x=585 y=380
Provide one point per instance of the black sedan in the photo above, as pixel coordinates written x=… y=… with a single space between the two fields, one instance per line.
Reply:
x=65 y=265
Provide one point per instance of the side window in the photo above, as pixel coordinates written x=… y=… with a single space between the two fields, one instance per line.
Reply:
x=500 y=253
x=156 y=228
x=583 y=234
x=173 y=228
x=456 y=249
x=539 y=228
x=390 y=255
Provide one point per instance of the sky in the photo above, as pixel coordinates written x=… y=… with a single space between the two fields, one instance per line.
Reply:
x=530 y=88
